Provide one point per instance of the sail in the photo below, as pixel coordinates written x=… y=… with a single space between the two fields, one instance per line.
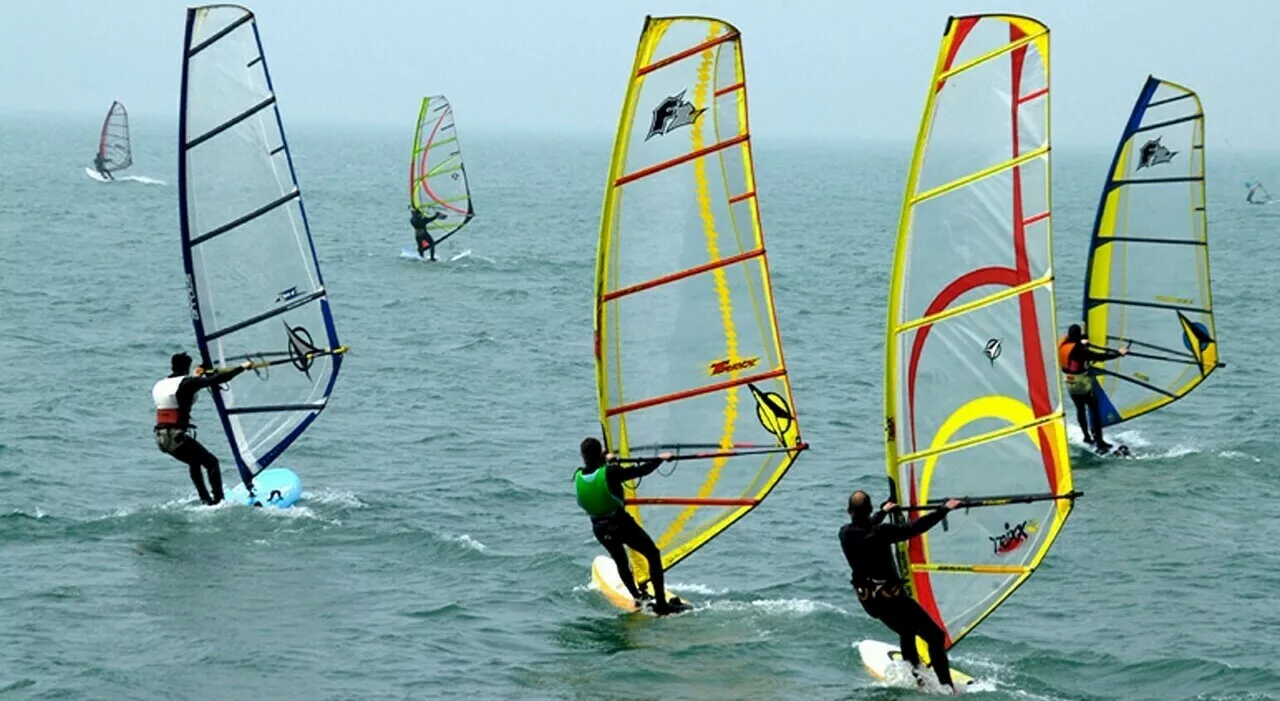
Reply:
x=973 y=408
x=114 y=151
x=1147 y=282
x=1256 y=193
x=437 y=176
x=688 y=355
x=253 y=281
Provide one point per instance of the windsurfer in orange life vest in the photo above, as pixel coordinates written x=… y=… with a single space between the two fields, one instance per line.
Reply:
x=1074 y=357
x=174 y=396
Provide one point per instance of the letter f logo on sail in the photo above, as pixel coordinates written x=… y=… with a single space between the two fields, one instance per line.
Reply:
x=673 y=113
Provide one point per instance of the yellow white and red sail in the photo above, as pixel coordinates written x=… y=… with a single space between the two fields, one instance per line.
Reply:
x=972 y=401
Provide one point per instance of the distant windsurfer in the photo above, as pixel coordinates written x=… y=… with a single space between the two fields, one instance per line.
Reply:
x=419 y=221
x=1075 y=356
x=174 y=396
x=867 y=542
x=1253 y=190
x=598 y=484
x=101 y=164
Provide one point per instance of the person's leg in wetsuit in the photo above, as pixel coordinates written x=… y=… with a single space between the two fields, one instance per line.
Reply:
x=1095 y=415
x=195 y=456
x=1081 y=402
x=639 y=541
x=606 y=532
x=906 y=618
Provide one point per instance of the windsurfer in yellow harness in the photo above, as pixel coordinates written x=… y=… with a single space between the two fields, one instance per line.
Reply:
x=867 y=542
x=1074 y=357
x=598 y=484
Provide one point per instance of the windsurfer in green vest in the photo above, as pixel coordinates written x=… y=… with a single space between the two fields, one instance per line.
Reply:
x=867 y=542
x=598 y=484
x=1074 y=357
x=419 y=222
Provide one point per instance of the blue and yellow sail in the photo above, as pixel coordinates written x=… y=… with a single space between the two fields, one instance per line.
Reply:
x=1147 y=285
x=688 y=354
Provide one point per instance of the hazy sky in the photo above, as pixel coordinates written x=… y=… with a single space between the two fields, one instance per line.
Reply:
x=823 y=68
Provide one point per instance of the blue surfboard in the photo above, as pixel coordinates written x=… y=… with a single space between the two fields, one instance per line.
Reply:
x=277 y=487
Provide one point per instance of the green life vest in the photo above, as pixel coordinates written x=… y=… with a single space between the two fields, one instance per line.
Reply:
x=593 y=492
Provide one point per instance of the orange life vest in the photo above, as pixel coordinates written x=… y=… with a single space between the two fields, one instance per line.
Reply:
x=1069 y=366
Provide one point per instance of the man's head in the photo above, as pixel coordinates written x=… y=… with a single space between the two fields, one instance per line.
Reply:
x=860 y=505
x=592 y=452
x=1074 y=332
x=180 y=363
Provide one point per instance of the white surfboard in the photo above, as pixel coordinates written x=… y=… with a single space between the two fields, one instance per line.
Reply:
x=93 y=173
x=885 y=663
x=604 y=574
x=278 y=487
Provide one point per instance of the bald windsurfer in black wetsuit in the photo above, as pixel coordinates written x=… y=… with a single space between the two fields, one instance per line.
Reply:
x=1074 y=357
x=419 y=222
x=867 y=542
x=598 y=486
x=174 y=396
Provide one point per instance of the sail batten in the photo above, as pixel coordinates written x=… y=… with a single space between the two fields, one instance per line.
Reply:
x=1147 y=280
x=253 y=278
x=688 y=354
x=972 y=408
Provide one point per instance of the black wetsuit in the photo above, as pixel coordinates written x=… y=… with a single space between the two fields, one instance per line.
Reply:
x=619 y=529
x=868 y=547
x=173 y=439
x=101 y=164
x=1082 y=355
x=419 y=222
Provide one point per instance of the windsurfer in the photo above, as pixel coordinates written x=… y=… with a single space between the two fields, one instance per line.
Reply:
x=598 y=484
x=1074 y=357
x=101 y=164
x=419 y=222
x=867 y=542
x=174 y=396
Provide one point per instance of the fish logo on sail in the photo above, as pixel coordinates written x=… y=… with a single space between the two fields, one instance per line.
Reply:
x=671 y=114
x=1014 y=536
x=1153 y=153
x=992 y=350
x=774 y=414
x=301 y=350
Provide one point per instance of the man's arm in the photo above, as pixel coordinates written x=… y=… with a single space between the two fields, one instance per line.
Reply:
x=626 y=474
x=216 y=378
x=896 y=533
x=618 y=474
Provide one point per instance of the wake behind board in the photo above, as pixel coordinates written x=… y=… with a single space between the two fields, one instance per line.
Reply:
x=278 y=487
x=604 y=574
x=885 y=663
x=410 y=254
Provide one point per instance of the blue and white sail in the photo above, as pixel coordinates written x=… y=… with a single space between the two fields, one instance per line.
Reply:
x=253 y=279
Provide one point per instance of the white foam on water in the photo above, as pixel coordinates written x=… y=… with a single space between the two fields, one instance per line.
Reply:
x=774 y=607
x=468 y=542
